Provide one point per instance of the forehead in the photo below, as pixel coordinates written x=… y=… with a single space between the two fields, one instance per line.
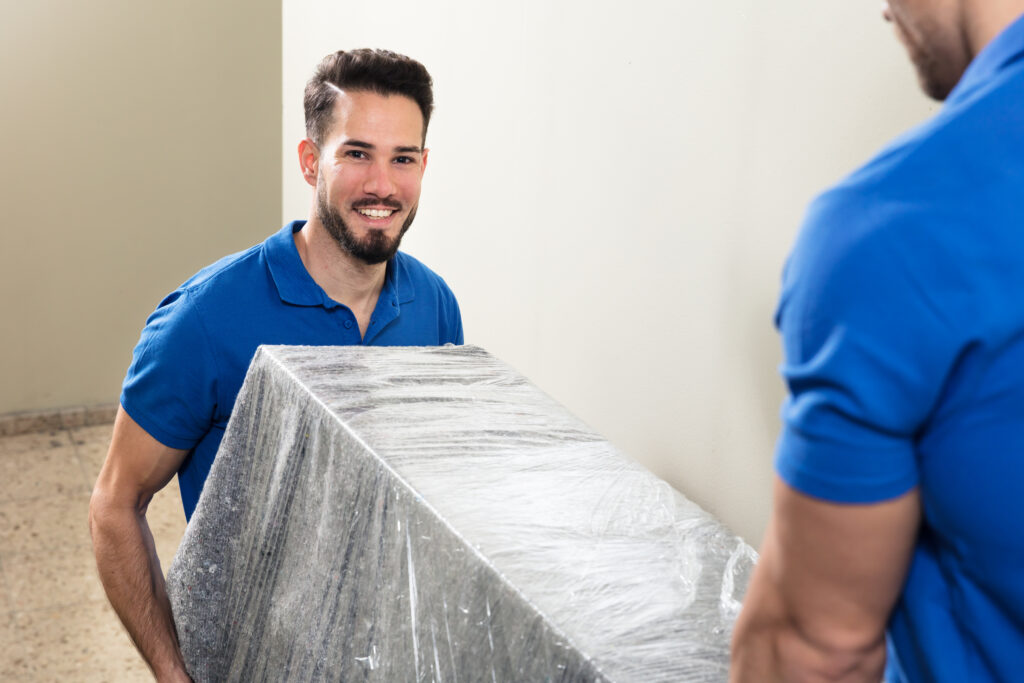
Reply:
x=382 y=120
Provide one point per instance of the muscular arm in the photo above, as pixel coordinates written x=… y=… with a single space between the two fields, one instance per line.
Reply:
x=828 y=578
x=137 y=466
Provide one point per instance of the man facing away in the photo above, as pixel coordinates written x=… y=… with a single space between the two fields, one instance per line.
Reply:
x=901 y=459
x=336 y=278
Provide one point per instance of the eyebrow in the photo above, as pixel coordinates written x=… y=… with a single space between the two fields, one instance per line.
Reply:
x=366 y=145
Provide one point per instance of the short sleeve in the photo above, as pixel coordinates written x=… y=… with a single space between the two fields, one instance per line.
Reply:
x=867 y=344
x=171 y=388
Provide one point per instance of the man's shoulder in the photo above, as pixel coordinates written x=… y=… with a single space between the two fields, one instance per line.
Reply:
x=229 y=282
x=963 y=161
x=433 y=302
x=973 y=143
x=939 y=205
x=232 y=269
x=419 y=275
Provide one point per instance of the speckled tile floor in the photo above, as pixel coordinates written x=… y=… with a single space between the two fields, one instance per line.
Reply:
x=55 y=622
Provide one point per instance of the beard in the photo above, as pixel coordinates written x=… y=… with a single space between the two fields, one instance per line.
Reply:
x=376 y=247
x=936 y=58
x=932 y=74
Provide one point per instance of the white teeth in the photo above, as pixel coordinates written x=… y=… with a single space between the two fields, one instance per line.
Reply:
x=376 y=213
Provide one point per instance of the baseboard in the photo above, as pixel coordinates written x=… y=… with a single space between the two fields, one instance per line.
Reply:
x=12 y=424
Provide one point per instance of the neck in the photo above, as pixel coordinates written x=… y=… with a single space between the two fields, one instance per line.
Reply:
x=344 y=278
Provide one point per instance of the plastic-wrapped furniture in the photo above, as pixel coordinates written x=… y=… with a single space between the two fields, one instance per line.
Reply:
x=426 y=514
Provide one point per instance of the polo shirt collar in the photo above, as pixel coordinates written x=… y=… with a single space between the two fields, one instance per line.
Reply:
x=296 y=286
x=1003 y=50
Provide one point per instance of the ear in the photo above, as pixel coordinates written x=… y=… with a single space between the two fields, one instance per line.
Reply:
x=425 y=153
x=309 y=160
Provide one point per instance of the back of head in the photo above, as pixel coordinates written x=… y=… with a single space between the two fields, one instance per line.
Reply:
x=378 y=71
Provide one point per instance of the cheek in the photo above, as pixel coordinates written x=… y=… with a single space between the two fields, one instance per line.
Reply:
x=342 y=185
x=899 y=27
x=912 y=41
x=411 y=185
x=408 y=191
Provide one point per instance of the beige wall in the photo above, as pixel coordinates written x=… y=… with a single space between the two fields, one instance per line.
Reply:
x=140 y=141
x=612 y=189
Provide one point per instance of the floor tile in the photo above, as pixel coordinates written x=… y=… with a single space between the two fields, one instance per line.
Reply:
x=55 y=622
x=36 y=441
x=91 y=457
x=9 y=640
x=91 y=444
x=26 y=474
x=52 y=579
x=81 y=643
x=6 y=606
x=46 y=523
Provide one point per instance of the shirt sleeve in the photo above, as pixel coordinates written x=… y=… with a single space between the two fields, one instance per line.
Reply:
x=867 y=345
x=171 y=386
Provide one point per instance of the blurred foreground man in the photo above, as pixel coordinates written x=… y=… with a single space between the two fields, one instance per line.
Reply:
x=334 y=279
x=898 y=502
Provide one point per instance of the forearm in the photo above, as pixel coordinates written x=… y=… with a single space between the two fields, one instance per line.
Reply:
x=130 y=571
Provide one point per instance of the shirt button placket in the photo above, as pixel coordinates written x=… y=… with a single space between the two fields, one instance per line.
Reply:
x=348 y=336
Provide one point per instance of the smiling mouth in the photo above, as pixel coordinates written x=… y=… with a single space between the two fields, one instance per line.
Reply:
x=376 y=213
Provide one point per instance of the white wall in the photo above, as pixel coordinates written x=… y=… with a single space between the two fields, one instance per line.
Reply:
x=612 y=190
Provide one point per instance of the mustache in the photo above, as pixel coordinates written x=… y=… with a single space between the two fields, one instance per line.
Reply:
x=370 y=201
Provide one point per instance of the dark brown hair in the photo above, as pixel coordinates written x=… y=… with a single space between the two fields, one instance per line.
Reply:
x=379 y=71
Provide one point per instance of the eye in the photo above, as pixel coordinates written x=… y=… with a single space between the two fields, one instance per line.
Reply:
x=404 y=160
x=356 y=154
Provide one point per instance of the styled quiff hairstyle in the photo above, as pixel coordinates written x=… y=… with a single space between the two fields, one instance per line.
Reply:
x=378 y=71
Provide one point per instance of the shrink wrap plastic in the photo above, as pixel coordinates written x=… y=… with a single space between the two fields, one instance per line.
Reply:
x=426 y=514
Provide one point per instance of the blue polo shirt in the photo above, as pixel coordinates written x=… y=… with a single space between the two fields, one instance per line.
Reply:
x=196 y=347
x=902 y=319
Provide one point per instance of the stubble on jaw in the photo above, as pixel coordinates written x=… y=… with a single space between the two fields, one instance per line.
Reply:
x=929 y=73
x=375 y=248
x=939 y=57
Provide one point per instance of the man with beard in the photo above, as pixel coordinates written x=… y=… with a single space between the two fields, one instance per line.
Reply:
x=337 y=278
x=901 y=468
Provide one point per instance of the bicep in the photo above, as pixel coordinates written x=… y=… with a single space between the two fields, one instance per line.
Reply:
x=838 y=569
x=137 y=465
x=171 y=389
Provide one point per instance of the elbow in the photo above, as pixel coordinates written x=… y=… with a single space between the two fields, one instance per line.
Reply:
x=833 y=652
x=99 y=507
x=110 y=508
x=785 y=650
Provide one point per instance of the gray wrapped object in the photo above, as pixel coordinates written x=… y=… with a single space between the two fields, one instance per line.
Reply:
x=426 y=514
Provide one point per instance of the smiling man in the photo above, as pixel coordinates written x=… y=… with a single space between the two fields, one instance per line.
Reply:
x=334 y=279
x=900 y=465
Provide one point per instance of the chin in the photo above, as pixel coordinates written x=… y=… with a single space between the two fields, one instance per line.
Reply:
x=937 y=86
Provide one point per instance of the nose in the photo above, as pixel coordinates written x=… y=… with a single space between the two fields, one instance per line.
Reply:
x=378 y=181
x=886 y=12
